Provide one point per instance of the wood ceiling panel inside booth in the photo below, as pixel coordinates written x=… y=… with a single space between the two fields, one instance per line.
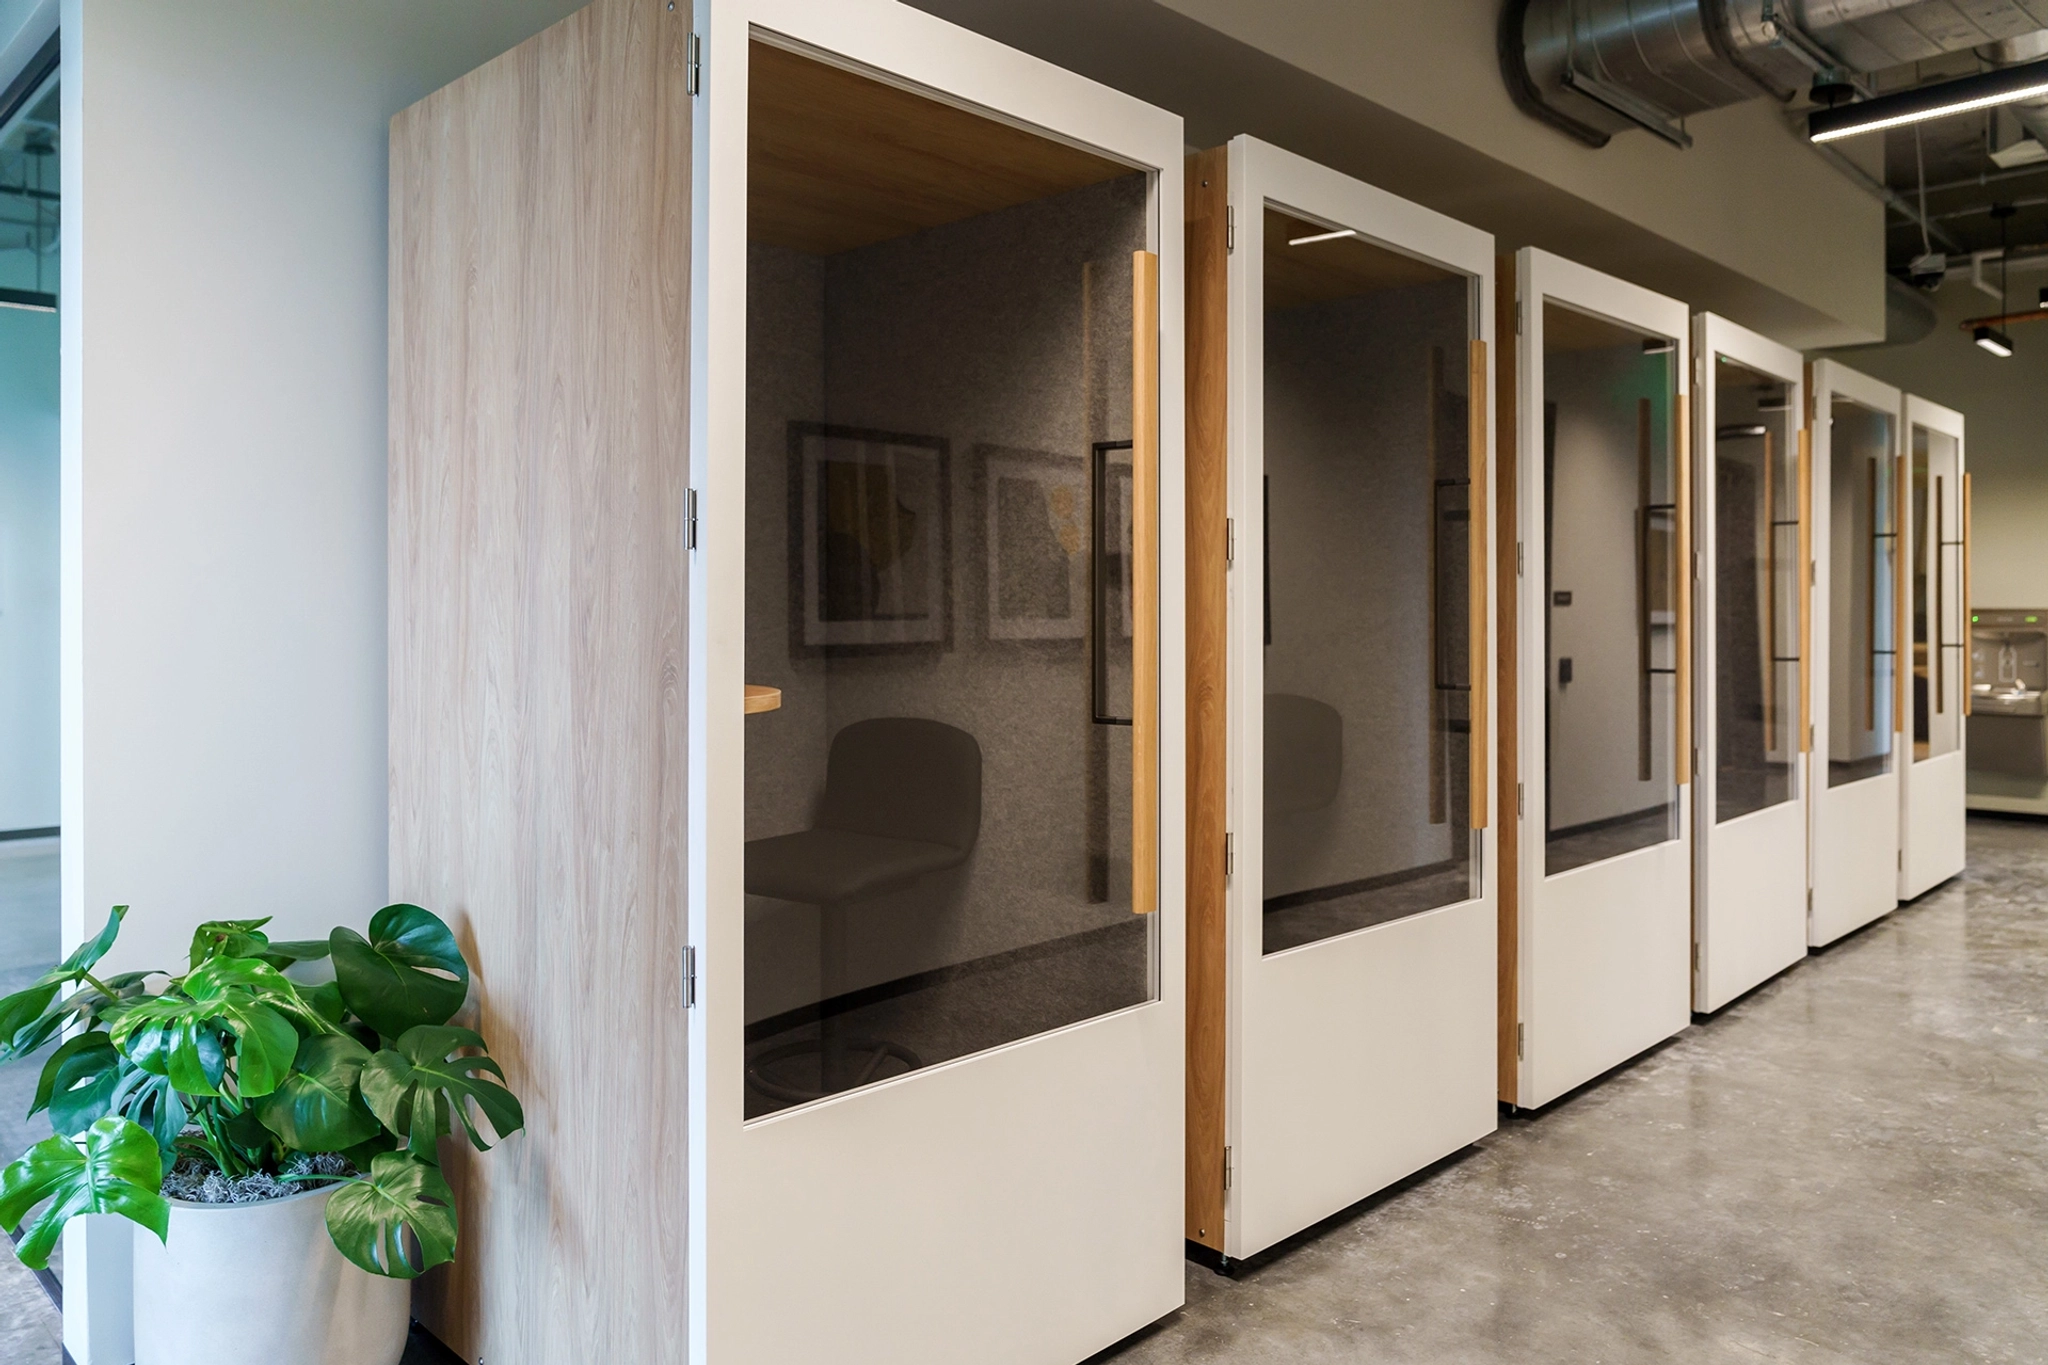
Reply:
x=837 y=160
x=1567 y=329
x=1342 y=268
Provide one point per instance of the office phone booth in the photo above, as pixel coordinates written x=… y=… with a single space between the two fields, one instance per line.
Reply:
x=1341 y=918
x=1596 y=938
x=1750 y=785
x=937 y=847
x=1858 y=484
x=1936 y=699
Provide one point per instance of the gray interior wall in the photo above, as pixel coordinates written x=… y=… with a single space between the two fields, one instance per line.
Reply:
x=1347 y=450
x=980 y=333
x=2005 y=406
x=1594 y=734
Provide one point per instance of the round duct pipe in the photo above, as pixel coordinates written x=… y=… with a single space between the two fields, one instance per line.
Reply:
x=1593 y=68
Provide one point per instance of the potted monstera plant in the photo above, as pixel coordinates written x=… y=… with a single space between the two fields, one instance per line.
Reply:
x=277 y=1136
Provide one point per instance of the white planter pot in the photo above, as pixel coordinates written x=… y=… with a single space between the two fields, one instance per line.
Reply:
x=261 y=1284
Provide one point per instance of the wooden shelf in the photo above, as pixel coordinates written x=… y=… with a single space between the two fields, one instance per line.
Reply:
x=763 y=698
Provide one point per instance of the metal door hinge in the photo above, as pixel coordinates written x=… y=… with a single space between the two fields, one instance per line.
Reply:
x=1695 y=566
x=1229 y=229
x=1229 y=541
x=1695 y=760
x=1695 y=955
x=1521 y=308
x=689 y=978
x=1520 y=1036
x=1229 y=855
x=690 y=518
x=1519 y=811
x=1518 y=559
x=1902 y=860
x=1226 y=1168
x=694 y=79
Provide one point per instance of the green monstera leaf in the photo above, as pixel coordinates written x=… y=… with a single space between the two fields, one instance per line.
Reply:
x=180 y=1038
x=319 y=1108
x=409 y=972
x=154 y=1103
x=78 y=1083
x=244 y=938
x=418 y=1082
x=112 y=1168
x=26 y=1019
x=398 y=1221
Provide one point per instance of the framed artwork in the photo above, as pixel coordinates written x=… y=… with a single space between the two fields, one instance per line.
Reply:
x=871 y=534
x=1037 y=542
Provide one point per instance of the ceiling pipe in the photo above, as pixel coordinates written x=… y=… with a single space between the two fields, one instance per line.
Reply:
x=1593 y=68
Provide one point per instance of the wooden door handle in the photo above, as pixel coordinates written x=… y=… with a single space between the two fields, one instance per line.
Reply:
x=1144 y=582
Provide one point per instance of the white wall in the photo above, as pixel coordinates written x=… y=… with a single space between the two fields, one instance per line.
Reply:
x=28 y=570
x=2005 y=446
x=224 y=446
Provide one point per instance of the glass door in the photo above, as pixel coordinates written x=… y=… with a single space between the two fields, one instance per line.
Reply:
x=1931 y=829
x=1360 y=925
x=1602 y=934
x=1858 y=491
x=1749 y=887
x=941 y=947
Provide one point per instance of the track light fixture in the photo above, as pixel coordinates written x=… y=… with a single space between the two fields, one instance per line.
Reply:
x=1994 y=341
x=2008 y=85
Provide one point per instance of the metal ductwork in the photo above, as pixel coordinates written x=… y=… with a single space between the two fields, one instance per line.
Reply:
x=1593 y=68
x=2031 y=47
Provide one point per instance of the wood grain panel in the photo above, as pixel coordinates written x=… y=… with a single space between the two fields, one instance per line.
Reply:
x=1476 y=539
x=1806 y=577
x=838 y=160
x=1688 y=583
x=1144 y=582
x=1508 y=765
x=1208 y=584
x=1969 y=631
x=539 y=234
x=1904 y=551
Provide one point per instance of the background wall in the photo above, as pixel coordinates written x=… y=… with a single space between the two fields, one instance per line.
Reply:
x=224 y=449
x=1347 y=448
x=28 y=570
x=2006 y=440
x=1409 y=97
x=1594 y=727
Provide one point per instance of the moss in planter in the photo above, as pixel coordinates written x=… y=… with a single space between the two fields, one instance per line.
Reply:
x=197 y=1181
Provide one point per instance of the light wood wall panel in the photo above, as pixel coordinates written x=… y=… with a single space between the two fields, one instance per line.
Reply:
x=1208 y=487
x=538 y=389
x=1507 y=554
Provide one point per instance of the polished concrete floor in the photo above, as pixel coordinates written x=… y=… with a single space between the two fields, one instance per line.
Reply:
x=30 y=1326
x=1848 y=1165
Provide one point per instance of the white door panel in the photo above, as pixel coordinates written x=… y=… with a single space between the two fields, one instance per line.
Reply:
x=930 y=1217
x=1936 y=831
x=1756 y=869
x=1607 y=967
x=1603 y=943
x=1932 y=795
x=1750 y=817
x=1355 y=1056
x=1855 y=776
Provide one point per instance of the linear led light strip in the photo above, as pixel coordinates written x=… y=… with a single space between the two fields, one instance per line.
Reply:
x=1322 y=237
x=1983 y=91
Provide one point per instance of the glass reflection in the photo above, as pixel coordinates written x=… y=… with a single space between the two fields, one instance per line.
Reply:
x=1862 y=540
x=939 y=531
x=1610 y=584
x=1367 y=486
x=1756 y=590
x=1937 y=594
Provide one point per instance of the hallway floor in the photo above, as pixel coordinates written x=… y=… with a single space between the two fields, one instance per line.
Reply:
x=1848 y=1165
